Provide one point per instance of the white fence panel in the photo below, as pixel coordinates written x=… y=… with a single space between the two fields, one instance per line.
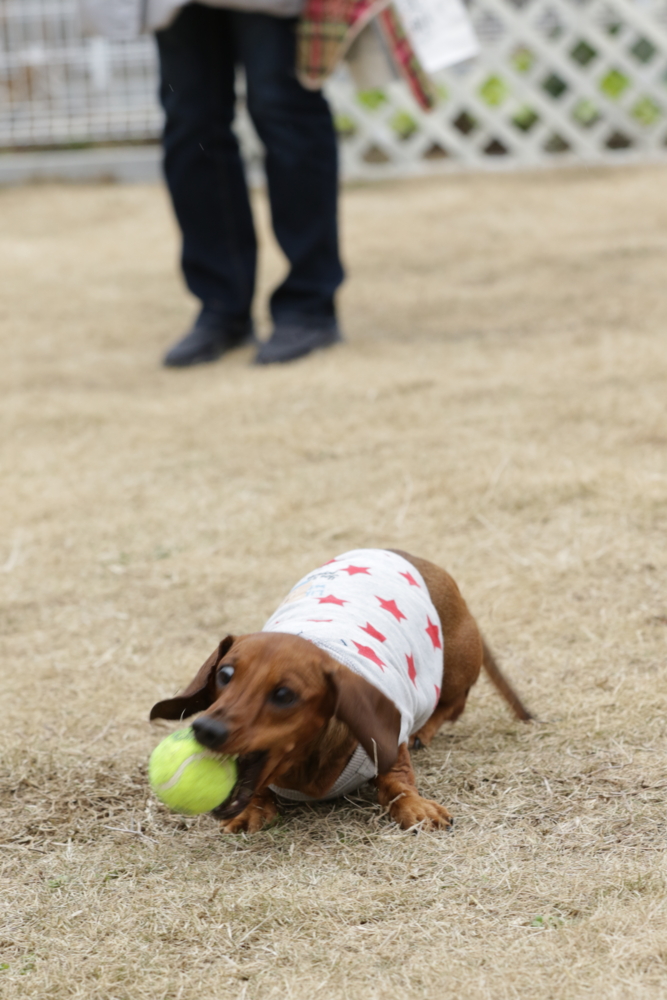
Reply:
x=57 y=88
x=557 y=81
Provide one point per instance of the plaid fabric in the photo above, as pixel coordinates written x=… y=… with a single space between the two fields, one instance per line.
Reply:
x=405 y=58
x=327 y=28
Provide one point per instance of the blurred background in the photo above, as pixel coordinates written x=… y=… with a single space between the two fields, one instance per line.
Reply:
x=558 y=81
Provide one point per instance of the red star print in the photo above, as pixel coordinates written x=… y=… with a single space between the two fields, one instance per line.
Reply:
x=437 y=693
x=373 y=632
x=329 y=563
x=410 y=578
x=412 y=673
x=434 y=633
x=390 y=606
x=330 y=599
x=370 y=654
x=353 y=570
x=320 y=619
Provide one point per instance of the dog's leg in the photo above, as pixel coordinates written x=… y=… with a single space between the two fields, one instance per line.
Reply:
x=447 y=712
x=464 y=653
x=397 y=791
x=260 y=810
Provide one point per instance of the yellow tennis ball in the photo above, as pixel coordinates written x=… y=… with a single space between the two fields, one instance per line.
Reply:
x=187 y=777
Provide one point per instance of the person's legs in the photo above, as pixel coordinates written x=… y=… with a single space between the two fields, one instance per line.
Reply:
x=297 y=130
x=206 y=180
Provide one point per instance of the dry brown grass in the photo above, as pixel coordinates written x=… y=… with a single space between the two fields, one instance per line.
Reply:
x=499 y=408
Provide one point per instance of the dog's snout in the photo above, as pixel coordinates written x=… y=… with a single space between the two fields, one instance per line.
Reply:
x=209 y=733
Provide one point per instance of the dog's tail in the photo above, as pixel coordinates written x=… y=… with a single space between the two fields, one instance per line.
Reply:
x=503 y=686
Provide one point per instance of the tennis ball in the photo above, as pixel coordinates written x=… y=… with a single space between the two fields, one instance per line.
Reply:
x=187 y=777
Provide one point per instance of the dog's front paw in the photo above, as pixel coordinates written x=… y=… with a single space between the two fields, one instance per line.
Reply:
x=410 y=810
x=253 y=818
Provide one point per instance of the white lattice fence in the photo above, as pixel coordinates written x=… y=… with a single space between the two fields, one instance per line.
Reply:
x=57 y=88
x=558 y=80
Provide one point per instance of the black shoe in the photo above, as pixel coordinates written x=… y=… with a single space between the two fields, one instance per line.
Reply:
x=211 y=336
x=291 y=340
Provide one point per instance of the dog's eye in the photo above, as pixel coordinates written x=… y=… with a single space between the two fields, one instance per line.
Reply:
x=283 y=697
x=225 y=675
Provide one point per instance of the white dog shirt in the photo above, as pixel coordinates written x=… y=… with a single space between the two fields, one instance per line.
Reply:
x=370 y=609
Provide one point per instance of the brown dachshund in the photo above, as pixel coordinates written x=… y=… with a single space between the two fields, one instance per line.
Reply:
x=295 y=716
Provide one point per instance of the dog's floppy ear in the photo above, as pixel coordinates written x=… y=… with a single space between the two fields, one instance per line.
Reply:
x=200 y=692
x=369 y=715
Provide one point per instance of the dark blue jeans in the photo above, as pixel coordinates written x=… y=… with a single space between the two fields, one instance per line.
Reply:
x=204 y=172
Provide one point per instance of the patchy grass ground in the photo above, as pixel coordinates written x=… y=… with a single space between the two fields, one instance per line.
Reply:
x=500 y=408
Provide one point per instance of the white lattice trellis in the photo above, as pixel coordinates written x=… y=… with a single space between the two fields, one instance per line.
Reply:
x=558 y=80
x=58 y=88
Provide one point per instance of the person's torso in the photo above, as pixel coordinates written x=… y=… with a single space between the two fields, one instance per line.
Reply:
x=127 y=19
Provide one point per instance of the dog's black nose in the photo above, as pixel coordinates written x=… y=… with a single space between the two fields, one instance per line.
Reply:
x=209 y=733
